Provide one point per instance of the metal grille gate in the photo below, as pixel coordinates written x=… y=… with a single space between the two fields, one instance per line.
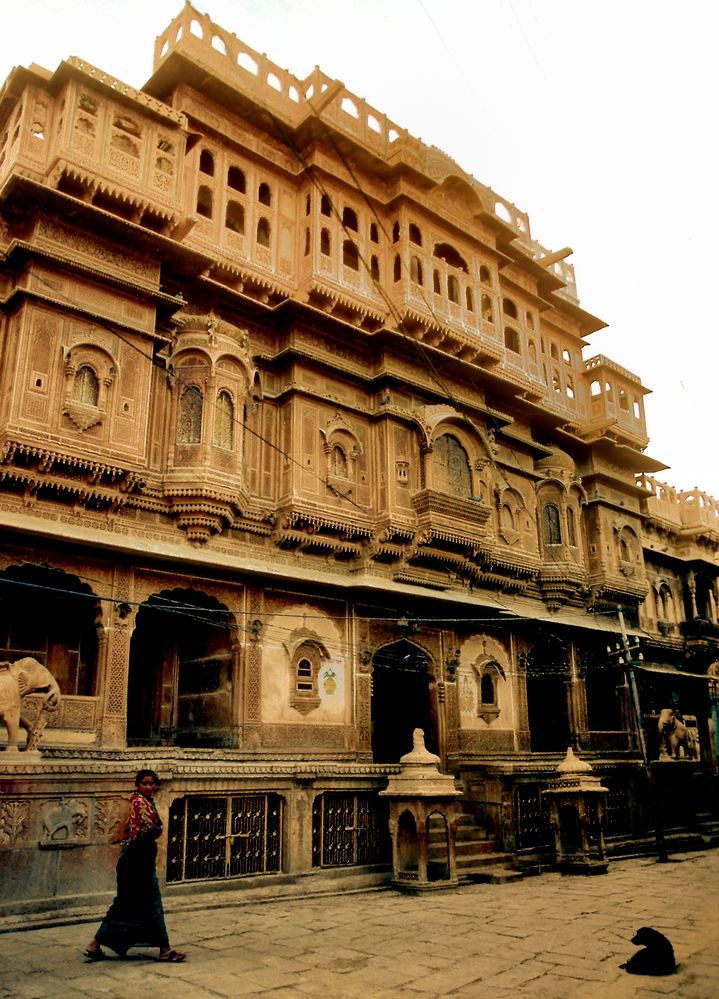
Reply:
x=224 y=837
x=532 y=817
x=349 y=829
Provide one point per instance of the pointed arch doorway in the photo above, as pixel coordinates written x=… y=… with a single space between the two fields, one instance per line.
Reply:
x=403 y=698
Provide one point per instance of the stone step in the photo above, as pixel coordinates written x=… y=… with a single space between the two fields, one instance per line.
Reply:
x=474 y=846
x=492 y=876
x=480 y=861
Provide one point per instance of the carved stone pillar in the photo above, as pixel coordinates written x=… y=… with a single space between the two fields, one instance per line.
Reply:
x=363 y=720
x=577 y=719
x=113 y=723
x=252 y=721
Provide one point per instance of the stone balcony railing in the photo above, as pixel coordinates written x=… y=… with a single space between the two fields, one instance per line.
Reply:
x=698 y=510
x=691 y=509
x=293 y=100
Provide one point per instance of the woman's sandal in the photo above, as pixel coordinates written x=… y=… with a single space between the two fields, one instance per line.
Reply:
x=95 y=955
x=175 y=956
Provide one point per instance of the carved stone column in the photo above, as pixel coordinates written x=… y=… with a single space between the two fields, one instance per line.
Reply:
x=113 y=722
x=363 y=719
x=577 y=719
x=252 y=721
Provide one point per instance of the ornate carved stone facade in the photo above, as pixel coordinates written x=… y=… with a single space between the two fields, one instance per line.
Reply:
x=299 y=452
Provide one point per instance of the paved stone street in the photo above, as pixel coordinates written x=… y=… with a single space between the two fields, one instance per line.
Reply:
x=547 y=937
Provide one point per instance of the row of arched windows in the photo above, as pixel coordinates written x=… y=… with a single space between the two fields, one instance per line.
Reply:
x=236 y=179
x=553 y=527
x=189 y=426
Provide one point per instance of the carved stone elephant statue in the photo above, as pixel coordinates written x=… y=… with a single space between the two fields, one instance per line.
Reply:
x=17 y=680
x=676 y=739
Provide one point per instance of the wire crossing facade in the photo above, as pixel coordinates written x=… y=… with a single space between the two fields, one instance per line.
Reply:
x=299 y=451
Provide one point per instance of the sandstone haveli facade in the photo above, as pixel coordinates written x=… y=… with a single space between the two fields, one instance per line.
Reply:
x=299 y=452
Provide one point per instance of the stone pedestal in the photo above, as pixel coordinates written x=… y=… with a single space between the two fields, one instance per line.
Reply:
x=577 y=805
x=423 y=822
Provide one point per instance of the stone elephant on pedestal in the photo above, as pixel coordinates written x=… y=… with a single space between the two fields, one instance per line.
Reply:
x=17 y=680
x=676 y=739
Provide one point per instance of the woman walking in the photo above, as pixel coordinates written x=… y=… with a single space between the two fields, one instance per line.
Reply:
x=136 y=916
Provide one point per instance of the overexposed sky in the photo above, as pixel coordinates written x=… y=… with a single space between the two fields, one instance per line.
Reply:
x=597 y=117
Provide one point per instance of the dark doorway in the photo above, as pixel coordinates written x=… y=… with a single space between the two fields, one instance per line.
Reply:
x=53 y=617
x=403 y=698
x=547 y=676
x=180 y=672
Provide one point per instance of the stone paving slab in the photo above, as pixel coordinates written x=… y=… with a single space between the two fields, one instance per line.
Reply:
x=549 y=937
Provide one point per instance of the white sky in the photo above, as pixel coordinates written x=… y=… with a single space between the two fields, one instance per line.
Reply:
x=597 y=117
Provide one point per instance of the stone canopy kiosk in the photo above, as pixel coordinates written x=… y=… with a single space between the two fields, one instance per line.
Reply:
x=577 y=804
x=422 y=822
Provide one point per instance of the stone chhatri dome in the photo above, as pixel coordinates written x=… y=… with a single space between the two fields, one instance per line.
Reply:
x=558 y=462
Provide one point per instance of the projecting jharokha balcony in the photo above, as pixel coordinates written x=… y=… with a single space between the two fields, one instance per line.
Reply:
x=441 y=514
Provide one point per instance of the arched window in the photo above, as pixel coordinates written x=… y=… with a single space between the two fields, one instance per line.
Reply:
x=484 y=276
x=486 y=689
x=487 y=310
x=451 y=256
x=511 y=340
x=325 y=244
x=469 y=299
x=488 y=676
x=307 y=241
x=350 y=255
x=571 y=527
x=373 y=234
x=263 y=232
x=235 y=217
x=326 y=205
x=395 y=232
x=374 y=268
x=339 y=462
x=415 y=236
x=224 y=421
x=204 y=201
x=236 y=179
x=552 y=525
x=207 y=163
x=304 y=674
x=665 y=604
x=264 y=194
x=506 y=517
x=452 y=288
x=305 y=667
x=509 y=308
x=308 y=204
x=349 y=219
x=397 y=270
x=436 y=286
x=450 y=467
x=415 y=271
x=85 y=386
x=189 y=430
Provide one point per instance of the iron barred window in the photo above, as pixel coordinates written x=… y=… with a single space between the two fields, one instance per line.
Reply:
x=224 y=837
x=349 y=829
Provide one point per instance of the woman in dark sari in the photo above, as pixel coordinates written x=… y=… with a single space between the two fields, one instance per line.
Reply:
x=136 y=917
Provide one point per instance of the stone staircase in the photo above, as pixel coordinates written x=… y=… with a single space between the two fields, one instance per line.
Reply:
x=478 y=859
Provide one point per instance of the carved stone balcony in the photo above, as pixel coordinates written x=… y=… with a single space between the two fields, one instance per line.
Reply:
x=450 y=520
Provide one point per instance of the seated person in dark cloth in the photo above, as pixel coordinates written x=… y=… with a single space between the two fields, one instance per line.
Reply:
x=136 y=916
